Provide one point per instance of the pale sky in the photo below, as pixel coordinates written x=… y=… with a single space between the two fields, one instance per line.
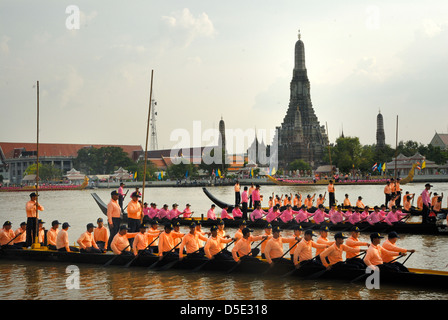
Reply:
x=220 y=58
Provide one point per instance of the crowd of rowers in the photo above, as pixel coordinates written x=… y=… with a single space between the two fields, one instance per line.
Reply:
x=148 y=239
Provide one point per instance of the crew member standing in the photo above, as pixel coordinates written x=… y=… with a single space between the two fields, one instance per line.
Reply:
x=426 y=202
x=244 y=202
x=134 y=212
x=237 y=193
x=121 y=195
x=331 y=193
x=113 y=216
x=31 y=223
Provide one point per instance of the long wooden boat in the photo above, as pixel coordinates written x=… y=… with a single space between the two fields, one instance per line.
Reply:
x=55 y=187
x=418 y=278
x=290 y=182
x=439 y=228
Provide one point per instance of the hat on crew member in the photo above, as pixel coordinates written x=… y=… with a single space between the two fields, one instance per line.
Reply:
x=309 y=232
x=276 y=229
x=153 y=222
x=193 y=225
x=355 y=229
x=90 y=225
x=268 y=226
x=7 y=223
x=23 y=224
x=124 y=227
x=375 y=235
x=340 y=235
x=243 y=223
x=168 y=226
x=55 y=222
x=33 y=194
x=325 y=228
x=428 y=185
x=142 y=226
x=135 y=194
x=392 y=235
x=99 y=220
x=298 y=227
x=114 y=193
x=65 y=225
x=213 y=228
x=246 y=231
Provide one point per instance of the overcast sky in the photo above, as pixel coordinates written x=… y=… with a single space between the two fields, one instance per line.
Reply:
x=220 y=58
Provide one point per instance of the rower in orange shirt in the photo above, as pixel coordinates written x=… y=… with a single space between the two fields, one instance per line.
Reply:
x=167 y=241
x=359 y=203
x=191 y=244
x=353 y=242
x=303 y=256
x=20 y=241
x=101 y=235
x=7 y=235
x=309 y=201
x=62 y=243
x=420 y=202
x=120 y=243
x=347 y=202
x=52 y=235
x=297 y=202
x=331 y=257
x=41 y=234
x=373 y=258
x=140 y=243
x=320 y=200
x=292 y=245
x=407 y=201
x=323 y=240
x=391 y=246
x=243 y=247
x=213 y=247
x=274 y=247
x=268 y=233
x=87 y=242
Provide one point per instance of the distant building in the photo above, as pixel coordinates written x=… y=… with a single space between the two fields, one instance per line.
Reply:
x=300 y=136
x=404 y=164
x=16 y=157
x=440 y=140
x=380 y=135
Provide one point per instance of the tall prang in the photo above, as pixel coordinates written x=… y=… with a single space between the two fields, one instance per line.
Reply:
x=300 y=136
x=380 y=135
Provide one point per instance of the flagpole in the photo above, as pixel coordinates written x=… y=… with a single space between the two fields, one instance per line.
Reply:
x=396 y=150
x=146 y=146
x=36 y=244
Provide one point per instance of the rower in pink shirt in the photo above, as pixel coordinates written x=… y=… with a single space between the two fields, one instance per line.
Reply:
x=164 y=212
x=303 y=215
x=236 y=212
x=287 y=214
x=365 y=213
x=355 y=216
x=225 y=214
x=174 y=212
x=258 y=213
x=320 y=215
x=272 y=214
x=153 y=212
x=211 y=213
x=394 y=216
x=336 y=216
x=187 y=212
x=375 y=216
x=348 y=213
x=383 y=211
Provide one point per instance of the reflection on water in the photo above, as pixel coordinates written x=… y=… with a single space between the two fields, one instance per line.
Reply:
x=33 y=280
x=46 y=281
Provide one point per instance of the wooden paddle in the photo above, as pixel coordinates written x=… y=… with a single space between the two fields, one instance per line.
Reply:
x=116 y=256
x=172 y=263
x=138 y=254
x=200 y=266
x=407 y=257
x=366 y=274
x=245 y=256
x=163 y=256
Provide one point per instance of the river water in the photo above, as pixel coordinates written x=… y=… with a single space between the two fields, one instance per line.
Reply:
x=50 y=281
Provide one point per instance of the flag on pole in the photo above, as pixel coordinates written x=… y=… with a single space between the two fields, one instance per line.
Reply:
x=375 y=166
x=186 y=174
x=135 y=175
x=219 y=173
x=273 y=171
x=424 y=164
x=384 y=166
x=379 y=167
x=159 y=176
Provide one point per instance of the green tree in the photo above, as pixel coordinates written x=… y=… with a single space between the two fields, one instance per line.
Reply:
x=299 y=164
x=103 y=160
x=179 y=171
x=47 y=172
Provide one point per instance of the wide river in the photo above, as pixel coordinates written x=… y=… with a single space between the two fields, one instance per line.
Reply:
x=26 y=280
